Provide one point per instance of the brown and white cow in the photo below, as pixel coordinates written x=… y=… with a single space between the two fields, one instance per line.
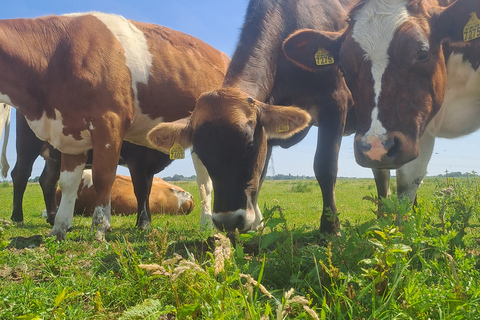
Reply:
x=232 y=130
x=90 y=80
x=413 y=69
x=142 y=162
x=165 y=198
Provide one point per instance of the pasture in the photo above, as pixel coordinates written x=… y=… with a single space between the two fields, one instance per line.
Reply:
x=426 y=269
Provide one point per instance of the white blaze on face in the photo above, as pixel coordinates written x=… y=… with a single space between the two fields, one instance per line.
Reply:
x=375 y=26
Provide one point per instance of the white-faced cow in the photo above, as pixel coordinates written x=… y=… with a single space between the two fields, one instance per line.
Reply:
x=232 y=130
x=143 y=163
x=413 y=69
x=90 y=80
x=165 y=198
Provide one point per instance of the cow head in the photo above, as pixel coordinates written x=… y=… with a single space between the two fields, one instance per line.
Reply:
x=229 y=130
x=392 y=59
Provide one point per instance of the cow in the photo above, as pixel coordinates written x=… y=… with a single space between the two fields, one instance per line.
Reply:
x=143 y=164
x=91 y=80
x=266 y=100
x=4 y=126
x=413 y=69
x=165 y=198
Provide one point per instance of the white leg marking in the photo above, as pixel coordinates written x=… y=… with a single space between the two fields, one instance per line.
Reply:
x=411 y=174
x=375 y=26
x=69 y=182
x=204 y=179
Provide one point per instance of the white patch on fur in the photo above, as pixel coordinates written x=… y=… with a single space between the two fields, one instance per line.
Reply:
x=182 y=197
x=139 y=61
x=375 y=26
x=87 y=178
x=69 y=182
x=4 y=123
x=204 y=179
x=51 y=130
x=5 y=99
x=107 y=145
x=460 y=111
x=91 y=127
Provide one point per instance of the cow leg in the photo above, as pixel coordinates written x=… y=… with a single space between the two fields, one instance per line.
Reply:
x=70 y=176
x=411 y=174
x=48 y=182
x=203 y=178
x=330 y=130
x=143 y=163
x=106 y=153
x=28 y=148
x=382 y=181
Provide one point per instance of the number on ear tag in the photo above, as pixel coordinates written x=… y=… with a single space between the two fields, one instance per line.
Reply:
x=472 y=28
x=177 y=152
x=283 y=128
x=323 y=57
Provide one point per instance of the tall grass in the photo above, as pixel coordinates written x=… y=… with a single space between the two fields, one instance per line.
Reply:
x=420 y=263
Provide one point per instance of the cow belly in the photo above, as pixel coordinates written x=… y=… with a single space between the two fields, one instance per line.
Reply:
x=460 y=111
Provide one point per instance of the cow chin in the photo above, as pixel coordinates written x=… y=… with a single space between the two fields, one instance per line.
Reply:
x=390 y=152
x=242 y=219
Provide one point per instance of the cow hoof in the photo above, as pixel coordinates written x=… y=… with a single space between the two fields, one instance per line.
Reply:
x=143 y=225
x=18 y=223
x=59 y=233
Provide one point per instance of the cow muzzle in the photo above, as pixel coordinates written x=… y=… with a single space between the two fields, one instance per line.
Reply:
x=242 y=219
x=390 y=151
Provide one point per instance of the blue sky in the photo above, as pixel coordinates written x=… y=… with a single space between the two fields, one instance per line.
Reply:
x=218 y=23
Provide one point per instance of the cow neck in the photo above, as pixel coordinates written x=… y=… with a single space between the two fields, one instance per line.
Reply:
x=253 y=64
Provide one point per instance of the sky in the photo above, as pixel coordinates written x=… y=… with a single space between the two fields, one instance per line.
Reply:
x=218 y=22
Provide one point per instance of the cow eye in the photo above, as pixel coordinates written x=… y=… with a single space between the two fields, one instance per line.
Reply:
x=342 y=70
x=422 y=55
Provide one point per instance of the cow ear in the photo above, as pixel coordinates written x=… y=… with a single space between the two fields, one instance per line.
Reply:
x=313 y=50
x=282 y=122
x=166 y=134
x=459 y=22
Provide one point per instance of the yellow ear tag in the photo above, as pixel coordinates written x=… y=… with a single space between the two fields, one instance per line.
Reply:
x=177 y=152
x=283 y=128
x=472 y=28
x=323 y=57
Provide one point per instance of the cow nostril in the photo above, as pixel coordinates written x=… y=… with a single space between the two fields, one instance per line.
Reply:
x=393 y=146
x=363 y=146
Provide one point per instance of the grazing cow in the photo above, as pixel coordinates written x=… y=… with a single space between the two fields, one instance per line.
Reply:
x=4 y=125
x=143 y=164
x=91 y=80
x=232 y=130
x=164 y=197
x=413 y=69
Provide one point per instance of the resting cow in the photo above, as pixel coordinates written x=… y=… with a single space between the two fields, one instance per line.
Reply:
x=413 y=70
x=165 y=198
x=232 y=130
x=90 y=80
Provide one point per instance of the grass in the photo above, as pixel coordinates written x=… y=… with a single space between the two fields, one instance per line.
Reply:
x=426 y=267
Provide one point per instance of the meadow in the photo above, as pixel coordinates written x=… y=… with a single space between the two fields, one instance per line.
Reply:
x=420 y=263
